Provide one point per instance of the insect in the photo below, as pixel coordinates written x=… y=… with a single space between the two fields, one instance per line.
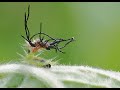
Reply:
x=40 y=43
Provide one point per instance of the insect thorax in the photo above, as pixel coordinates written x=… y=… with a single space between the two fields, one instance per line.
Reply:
x=38 y=45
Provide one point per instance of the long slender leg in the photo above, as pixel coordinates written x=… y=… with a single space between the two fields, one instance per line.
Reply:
x=60 y=50
x=43 y=34
x=72 y=39
x=46 y=41
x=25 y=22
x=28 y=12
x=40 y=32
x=26 y=28
x=26 y=31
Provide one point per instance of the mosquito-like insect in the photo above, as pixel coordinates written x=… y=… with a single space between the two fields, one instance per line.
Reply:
x=49 y=44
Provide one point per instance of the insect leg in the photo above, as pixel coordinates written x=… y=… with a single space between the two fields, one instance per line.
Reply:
x=43 y=34
x=40 y=32
x=26 y=28
x=72 y=39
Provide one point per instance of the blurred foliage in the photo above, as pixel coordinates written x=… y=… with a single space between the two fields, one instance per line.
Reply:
x=59 y=76
x=95 y=26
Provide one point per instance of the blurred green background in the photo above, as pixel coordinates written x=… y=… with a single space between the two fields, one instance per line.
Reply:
x=95 y=26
